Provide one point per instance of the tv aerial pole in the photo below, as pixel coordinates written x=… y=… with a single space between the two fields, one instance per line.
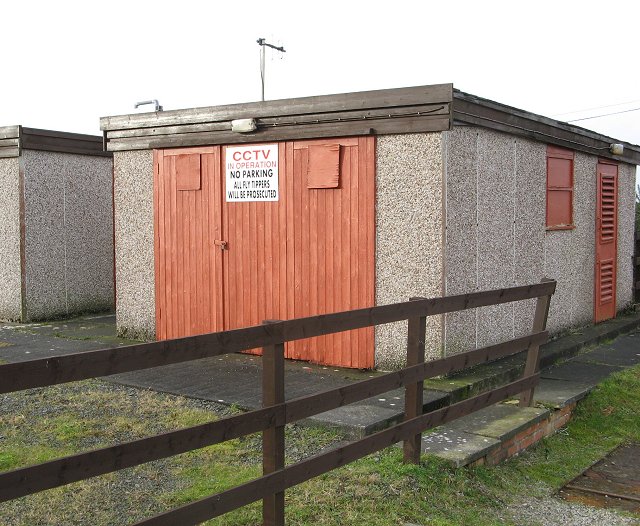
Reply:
x=263 y=44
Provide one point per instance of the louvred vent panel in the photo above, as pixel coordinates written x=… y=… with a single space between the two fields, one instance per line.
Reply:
x=608 y=212
x=606 y=281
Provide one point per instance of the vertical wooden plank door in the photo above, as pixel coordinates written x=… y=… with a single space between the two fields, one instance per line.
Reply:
x=332 y=229
x=225 y=264
x=606 y=241
x=256 y=234
x=188 y=248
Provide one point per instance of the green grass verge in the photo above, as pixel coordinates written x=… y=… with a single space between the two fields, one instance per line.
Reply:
x=377 y=490
x=380 y=490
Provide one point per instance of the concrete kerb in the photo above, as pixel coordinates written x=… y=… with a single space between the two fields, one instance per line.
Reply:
x=483 y=377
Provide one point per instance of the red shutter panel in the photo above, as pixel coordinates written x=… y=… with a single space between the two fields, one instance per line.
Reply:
x=608 y=210
x=606 y=241
x=323 y=167
x=559 y=188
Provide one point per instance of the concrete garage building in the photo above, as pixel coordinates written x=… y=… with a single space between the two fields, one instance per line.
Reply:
x=226 y=216
x=56 y=224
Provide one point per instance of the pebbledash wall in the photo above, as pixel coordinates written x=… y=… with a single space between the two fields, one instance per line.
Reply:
x=473 y=218
x=56 y=224
x=496 y=234
x=460 y=207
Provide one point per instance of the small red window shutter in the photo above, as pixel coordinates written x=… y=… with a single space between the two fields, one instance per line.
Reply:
x=323 y=168
x=188 y=172
x=559 y=188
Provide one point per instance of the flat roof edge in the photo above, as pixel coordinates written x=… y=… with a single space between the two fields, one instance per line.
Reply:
x=399 y=110
x=9 y=141
x=15 y=139
x=473 y=110
x=361 y=100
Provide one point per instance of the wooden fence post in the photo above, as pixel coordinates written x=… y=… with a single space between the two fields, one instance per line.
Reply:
x=273 y=437
x=413 y=394
x=533 y=353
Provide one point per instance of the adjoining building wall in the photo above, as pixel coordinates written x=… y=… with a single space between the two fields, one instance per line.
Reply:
x=496 y=235
x=10 y=273
x=135 y=266
x=68 y=225
x=409 y=236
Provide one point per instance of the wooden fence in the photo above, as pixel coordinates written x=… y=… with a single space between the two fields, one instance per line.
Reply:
x=276 y=413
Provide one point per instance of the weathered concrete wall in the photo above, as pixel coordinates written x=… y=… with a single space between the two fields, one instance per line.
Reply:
x=461 y=276
x=495 y=230
x=68 y=234
x=569 y=255
x=135 y=274
x=496 y=235
x=10 y=274
x=409 y=235
x=626 y=222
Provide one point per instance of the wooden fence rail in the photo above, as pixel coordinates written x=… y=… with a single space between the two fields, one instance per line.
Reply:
x=91 y=364
x=276 y=413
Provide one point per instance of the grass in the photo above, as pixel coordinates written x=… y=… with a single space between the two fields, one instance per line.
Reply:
x=377 y=490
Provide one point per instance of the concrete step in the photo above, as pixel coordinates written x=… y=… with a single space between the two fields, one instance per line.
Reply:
x=477 y=435
x=373 y=414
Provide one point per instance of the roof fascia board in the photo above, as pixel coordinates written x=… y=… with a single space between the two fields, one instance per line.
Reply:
x=473 y=110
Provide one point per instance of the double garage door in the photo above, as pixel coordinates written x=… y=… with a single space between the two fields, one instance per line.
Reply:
x=267 y=231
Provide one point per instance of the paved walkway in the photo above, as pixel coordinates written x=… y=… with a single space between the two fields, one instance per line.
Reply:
x=236 y=379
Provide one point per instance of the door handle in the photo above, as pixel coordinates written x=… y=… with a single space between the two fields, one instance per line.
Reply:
x=222 y=244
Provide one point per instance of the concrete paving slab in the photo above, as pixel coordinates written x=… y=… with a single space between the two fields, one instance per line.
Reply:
x=560 y=393
x=584 y=373
x=30 y=341
x=374 y=414
x=357 y=420
x=500 y=421
x=232 y=378
x=571 y=344
x=217 y=379
x=624 y=352
x=456 y=446
x=22 y=345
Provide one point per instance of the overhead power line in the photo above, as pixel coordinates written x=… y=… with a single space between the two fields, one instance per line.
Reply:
x=604 y=115
x=596 y=108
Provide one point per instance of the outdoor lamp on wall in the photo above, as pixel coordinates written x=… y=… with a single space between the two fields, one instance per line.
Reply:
x=244 y=125
x=616 y=149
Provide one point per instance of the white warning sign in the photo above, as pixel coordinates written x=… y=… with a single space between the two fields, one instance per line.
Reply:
x=252 y=173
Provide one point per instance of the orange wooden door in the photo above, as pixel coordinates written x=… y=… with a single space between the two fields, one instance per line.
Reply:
x=606 y=242
x=187 y=197
x=311 y=251
x=332 y=231
x=255 y=278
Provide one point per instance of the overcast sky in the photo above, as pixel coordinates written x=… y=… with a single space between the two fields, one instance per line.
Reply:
x=67 y=63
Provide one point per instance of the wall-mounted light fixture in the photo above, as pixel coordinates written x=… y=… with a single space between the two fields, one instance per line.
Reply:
x=244 y=125
x=616 y=149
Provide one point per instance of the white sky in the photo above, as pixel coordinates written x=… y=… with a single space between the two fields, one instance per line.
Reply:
x=67 y=63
